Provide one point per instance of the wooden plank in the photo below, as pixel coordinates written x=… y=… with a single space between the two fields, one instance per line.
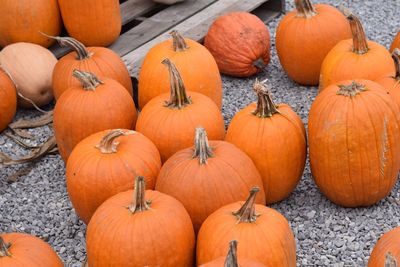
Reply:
x=157 y=24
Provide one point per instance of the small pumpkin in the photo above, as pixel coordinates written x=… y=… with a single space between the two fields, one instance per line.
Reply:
x=305 y=36
x=355 y=59
x=386 y=251
x=31 y=67
x=101 y=165
x=95 y=105
x=98 y=60
x=353 y=133
x=390 y=82
x=231 y=259
x=169 y=120
x=196 y=65
x=275 y=139
x=23 y=20
x=263 y=234
x=21 y=250
x=152 y=230
x=93 y=22
x=396 y=42
x=8 y=103
x=208 y=176
x=240 y=43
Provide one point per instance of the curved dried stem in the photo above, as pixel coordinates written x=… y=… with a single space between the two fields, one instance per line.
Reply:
x=202 y=149
x=266 y=107
x=396 y=58
x=88 y=80
x=351 y=90
x=78 y=47
x=390 y=260
x=178 y=42
x=360 y=42
x=231 y=258
x=247 y=213
x=305 y=8
x=4 y=248
x=108 y=144
x=139 y=203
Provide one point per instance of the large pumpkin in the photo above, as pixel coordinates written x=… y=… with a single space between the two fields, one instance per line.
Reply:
x=396 y=42
x=95 y=105
x=93 y=22
x=196 y=65
x=102 y=165
x=22 y=250
x=152 y=230
x=240 y=43
x=275 y=139
x=353 y=141
x=208 y=176
x=387 y=250
x=99 y=60
x=304 y=37
x=8 y=103
x=263 y=234
x=170 y=119
x=390 y=82
x=23 y=20
x=355 y=59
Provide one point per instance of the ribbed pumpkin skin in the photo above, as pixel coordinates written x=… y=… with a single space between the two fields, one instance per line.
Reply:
x=237 y=40
x=161 y=236
x=92 y=22
x=79 y=113
x=8 y=103
x=303 y=43
x=388 y=242
x=269 y=240
x=196 y=65
x=277 y=146
x=21 y=21
x=29 y=251
x=392 y=85
x=103 y=62
x=172 y=130
x=93 y=177
x=342 y=64
x=353 y=142
x=396 y=42
x=225 y=178
x=242 y=263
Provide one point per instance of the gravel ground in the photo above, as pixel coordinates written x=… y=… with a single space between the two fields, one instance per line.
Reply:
x=327 y=235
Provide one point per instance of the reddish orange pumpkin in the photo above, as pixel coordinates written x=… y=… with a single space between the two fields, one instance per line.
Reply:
x=8 y=103
x=169 y=120
x=102 y=164
x=196 y=65
x=390 y=82
x=263 y=234
x=396 y=42
x=240 y=43
x=208 y=176
x=353 y=133
x=95 y=105
x=22 y=250
x=153 y=230
x=387 y=250
x=275 y=139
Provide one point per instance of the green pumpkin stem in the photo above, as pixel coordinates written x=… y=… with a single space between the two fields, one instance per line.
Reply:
x=4 y=248
x=266 y=107
x=231 y=258
x=390 y=260
x=108 y=144
x=360 y=42
x=351 y=90
x=305 y=8
x=396 y=58
x=178 y=42
x=178 y=98
x=80 y=49
x=202 y=149
x=139 y=201
x=88 y=80
x=247 y=213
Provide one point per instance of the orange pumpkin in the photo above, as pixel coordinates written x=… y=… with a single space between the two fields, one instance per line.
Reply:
x=219 y=167
x=8 y=103
x=93 y=22
x=387 y=250
x=396 y=42
x=263 y=234
x=355 y=59
x=353 y=133
x=98 y=60
x=240 y=43
x=169 y=120
x=305 y=36
x=23 y=20
x=101 y=166
x=21 y=250
x=153 y=230
x=275 y=139
x=95 y=105
x=390 y=82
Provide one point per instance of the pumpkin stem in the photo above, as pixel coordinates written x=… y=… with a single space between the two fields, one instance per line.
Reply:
x=396 y=58
x=247 y=213
x=305 y=8
x=108 y=145
x=231 y=258
x=78 y=47
x=88 y=80
x=390 y=260
x=178 y=98
x=4 y=248
x=266 y=108
x=202 y=149
x=139 y=202
x=351 y=90
x=178 y=42
x=360 y=43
